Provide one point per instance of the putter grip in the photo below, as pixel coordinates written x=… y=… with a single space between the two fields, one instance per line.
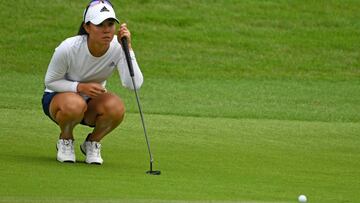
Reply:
x=125 y=47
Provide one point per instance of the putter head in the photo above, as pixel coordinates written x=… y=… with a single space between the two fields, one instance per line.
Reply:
x=151 y=172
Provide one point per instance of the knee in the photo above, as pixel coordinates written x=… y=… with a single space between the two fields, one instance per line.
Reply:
x=114 y=108
x=74 y=107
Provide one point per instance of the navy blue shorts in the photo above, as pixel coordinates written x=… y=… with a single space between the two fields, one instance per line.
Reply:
x=46 y=100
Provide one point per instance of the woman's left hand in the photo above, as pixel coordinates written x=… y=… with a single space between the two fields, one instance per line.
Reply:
x=124 y=32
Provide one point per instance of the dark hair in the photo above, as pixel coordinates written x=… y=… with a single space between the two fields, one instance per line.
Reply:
x=82 y=30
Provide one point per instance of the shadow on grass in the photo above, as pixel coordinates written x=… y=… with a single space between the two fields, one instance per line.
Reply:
x=42 y=160
x=29 y=158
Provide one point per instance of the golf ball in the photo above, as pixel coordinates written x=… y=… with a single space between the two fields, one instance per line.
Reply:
x=302 y=198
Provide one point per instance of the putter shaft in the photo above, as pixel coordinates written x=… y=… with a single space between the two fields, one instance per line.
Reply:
x=131 y=72
x=143 y=123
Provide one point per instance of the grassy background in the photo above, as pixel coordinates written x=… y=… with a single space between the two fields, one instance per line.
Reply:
x=245 y=101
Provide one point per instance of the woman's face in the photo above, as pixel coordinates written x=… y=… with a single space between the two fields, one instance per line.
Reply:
x=102 y=33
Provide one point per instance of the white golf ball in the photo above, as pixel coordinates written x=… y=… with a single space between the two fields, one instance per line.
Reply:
x=302 y=198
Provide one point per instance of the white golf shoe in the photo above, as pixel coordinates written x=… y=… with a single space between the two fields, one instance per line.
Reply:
x=92 y=150
x=65 y=151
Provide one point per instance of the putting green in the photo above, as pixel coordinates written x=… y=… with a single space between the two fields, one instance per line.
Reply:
x=200 y=159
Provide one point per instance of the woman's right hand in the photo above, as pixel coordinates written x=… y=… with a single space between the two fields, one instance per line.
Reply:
x=91 y=89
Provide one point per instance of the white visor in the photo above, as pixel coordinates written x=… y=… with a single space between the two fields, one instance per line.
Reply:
x=99 y=12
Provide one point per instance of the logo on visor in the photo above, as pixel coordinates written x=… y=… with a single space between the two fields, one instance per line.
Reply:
x=104 y=9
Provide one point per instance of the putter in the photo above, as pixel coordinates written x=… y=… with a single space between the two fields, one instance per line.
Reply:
x=131 y=71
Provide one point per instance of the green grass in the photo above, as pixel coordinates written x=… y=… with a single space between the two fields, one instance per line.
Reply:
x=245 y=101
x=200 y=158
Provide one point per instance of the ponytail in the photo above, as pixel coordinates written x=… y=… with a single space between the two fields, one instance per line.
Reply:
x=82 y=30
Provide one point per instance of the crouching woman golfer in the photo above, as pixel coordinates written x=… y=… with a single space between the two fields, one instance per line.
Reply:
x=76 y=77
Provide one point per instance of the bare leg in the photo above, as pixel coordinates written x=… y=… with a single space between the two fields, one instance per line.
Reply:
x=105 y=112
x=67 y=109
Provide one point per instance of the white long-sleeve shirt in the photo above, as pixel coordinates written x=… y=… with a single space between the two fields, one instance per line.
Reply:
x=72 y=63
